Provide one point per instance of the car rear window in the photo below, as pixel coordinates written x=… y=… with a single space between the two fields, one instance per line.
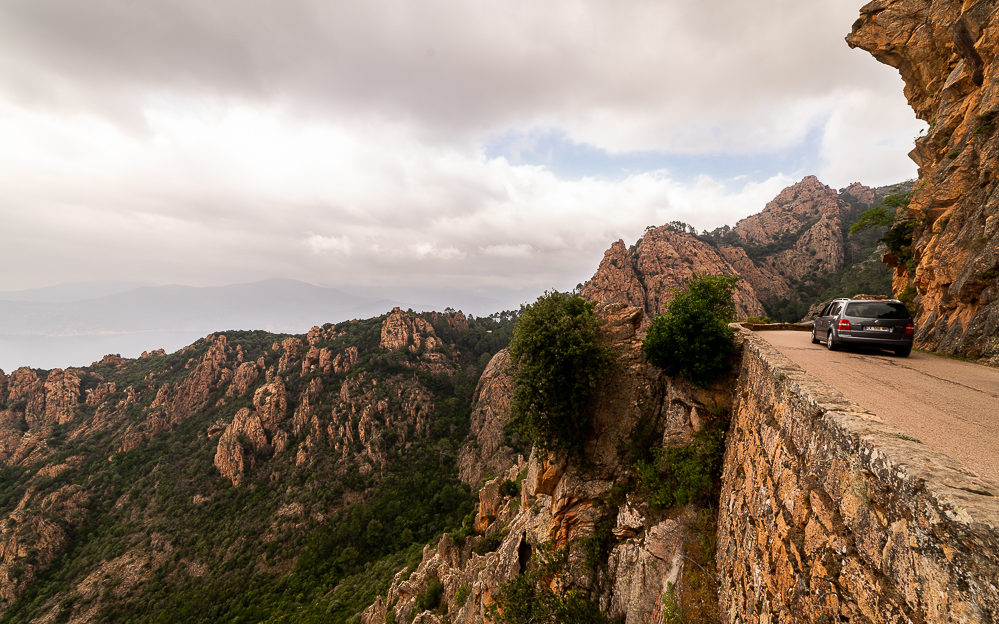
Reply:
x=878 y=310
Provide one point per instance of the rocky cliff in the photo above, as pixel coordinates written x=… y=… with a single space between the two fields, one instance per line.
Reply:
x=945 y=53
x=786 y=255
x=664 y=259
x=587 y=521
x=125 y=486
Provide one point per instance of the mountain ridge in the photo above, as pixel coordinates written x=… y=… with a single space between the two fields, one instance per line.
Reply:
x=786 y=254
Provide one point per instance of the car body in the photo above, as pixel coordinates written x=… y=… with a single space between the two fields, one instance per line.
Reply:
x=878 y=323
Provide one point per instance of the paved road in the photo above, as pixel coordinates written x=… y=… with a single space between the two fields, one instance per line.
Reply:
x=951 y=406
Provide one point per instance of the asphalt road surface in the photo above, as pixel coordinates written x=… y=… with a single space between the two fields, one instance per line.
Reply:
x=949 y=405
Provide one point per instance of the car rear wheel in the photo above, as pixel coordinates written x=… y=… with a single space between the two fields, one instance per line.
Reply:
x=815 y=339
x=903 y=351
x=830 y=343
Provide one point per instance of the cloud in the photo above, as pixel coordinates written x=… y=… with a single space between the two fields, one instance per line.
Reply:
x=256 y=193
x=864 y=138
x=329 y=244
x=636 y=75
x=347 y=143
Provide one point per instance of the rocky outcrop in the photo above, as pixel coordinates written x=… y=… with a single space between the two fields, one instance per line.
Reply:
x=209 y=373
x=486 y=454
x=342 y=362
x=617 y=279
x=768 y=285
x=307 y=425
x=62 y=395
x=34 y=533
x=271 y=402
x=244 y=436
x=407 y=331
x=243 y=378
x=663 y=260
x=97 y=395
x=798 y=235
x=290 y=348
x=39 y=403
x=797 y=239
x=411 y=334
x=795 y=206
x=565 y=503
x=945 y=53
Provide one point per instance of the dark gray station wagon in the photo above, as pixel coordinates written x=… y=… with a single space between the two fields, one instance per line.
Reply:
x=884 y=324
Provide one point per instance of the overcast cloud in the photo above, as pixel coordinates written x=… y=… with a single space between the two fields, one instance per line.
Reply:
x=354 y=143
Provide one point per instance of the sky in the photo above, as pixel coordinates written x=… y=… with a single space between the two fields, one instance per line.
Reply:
x=490 y=146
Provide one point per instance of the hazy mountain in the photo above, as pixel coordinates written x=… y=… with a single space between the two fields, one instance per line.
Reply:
x=76 y=324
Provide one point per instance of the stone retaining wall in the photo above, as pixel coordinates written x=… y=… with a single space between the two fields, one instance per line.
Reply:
x=829 y=515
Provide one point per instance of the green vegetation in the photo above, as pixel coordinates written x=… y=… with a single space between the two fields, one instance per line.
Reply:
x=693 y=339
x=556 y=359
x=489 y=543
x=877 y=217
x=672 y=612
x=528 y=599
x=680 y=475
x=461 y=595
x=597 y=547
x=430 y=599
x=509 y=488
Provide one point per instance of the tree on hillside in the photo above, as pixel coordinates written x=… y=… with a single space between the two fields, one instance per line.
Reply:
x=556 y=359
x=692 y=339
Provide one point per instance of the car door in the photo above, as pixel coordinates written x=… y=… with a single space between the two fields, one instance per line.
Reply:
x=822 y=320
x=827 y=318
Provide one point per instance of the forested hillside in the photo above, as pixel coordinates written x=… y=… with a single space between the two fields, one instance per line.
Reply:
x=250 y=477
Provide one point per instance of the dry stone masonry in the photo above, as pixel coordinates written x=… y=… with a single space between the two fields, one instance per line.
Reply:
x=828 y=515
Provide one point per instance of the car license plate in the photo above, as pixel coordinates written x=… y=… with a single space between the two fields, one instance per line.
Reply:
x=878 y=329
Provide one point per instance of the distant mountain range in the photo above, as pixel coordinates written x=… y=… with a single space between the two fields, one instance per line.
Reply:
x=76 y=324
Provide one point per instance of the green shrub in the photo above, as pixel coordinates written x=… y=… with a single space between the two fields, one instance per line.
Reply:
x=679 y=475
x=758 y=320
x=557 y=360
x=672 y=612
x=430 y=599
x=877 y=217
x=693 y=339
x=597 y=547
x=509 y=488
x=528 y=597
x=461 y=595
x=488 y=543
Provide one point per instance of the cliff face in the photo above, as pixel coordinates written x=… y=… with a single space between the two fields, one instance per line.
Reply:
x=798 y=234
x=626 y=555
x=945 y=53
x=787 y=250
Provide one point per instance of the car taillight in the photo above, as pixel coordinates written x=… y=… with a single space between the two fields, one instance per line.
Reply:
x=909 y=328
x=844 y=325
